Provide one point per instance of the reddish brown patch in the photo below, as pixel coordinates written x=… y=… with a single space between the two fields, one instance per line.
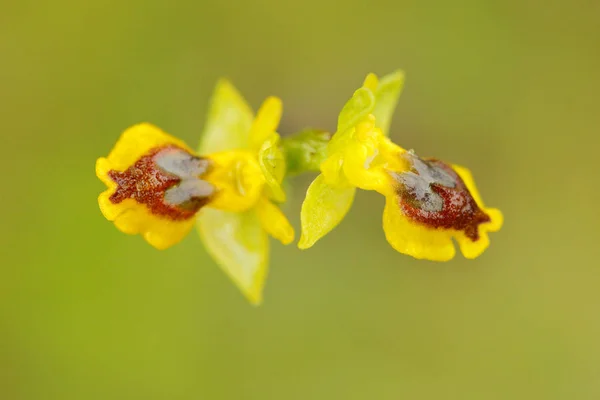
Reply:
x=146 y=183
x=459 y=211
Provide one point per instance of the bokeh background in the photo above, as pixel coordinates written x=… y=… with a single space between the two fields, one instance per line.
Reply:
x=508 y=88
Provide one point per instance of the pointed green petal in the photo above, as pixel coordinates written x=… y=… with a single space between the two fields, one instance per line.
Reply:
x=359 y=106
x=239 y=245
x=386 y=97
x=229 y=121
x=322 y=210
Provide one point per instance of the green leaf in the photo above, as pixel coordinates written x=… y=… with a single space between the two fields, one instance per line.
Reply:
x=240 y=246
x=386 y=97
x=322 y=210
x=229 y=121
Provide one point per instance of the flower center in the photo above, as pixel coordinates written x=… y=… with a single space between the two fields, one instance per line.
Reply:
x=166 y=180
x=238 y=180
x=432 y=194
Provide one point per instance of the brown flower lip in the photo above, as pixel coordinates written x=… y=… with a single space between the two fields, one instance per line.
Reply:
x=434 y=195
x=166 y=180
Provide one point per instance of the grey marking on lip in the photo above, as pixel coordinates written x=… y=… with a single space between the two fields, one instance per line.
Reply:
x=189 y=169
x=188 y=190
x=181 y=163
x=418 y=181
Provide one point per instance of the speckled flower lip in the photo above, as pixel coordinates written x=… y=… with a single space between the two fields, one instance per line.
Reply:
x=432 y=194
x=167 y=180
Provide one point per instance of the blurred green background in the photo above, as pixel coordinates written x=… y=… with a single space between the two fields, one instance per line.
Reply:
x=507 y=88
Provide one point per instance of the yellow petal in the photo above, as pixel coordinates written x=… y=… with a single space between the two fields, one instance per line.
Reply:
x=473 y=249
x=497 y=220
x=103 y=167
x=266 y=122
x=274 y=221
x=272 y=164
x=413 y=239
x=240 y=246
x=358 y=107
x=360 y=173
x=371 y=82
x=134 y=143
x=229 y=121
x=133 y=218
x=111 y=210
x=323 y=209
x=368 y=158
x=386 y=97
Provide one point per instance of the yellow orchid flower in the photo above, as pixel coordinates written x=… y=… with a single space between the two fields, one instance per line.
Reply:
x=428 y=202
x=159 y=188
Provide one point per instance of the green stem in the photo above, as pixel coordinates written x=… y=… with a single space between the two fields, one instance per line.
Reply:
x=305 y=150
